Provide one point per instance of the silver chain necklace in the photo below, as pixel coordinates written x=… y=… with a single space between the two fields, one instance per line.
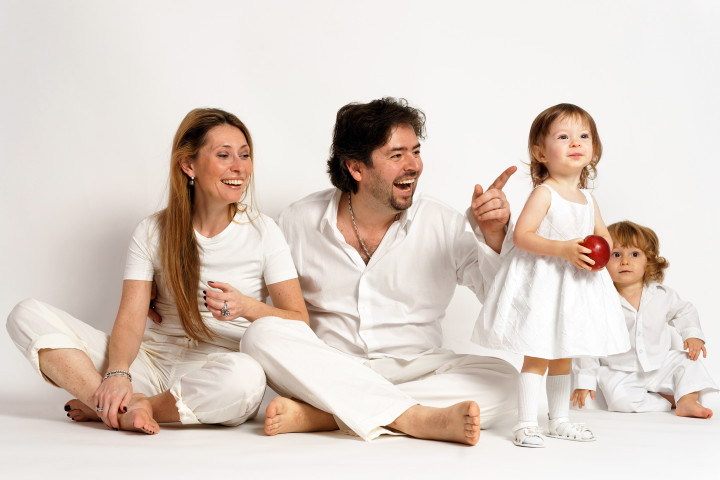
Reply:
x=357 y=232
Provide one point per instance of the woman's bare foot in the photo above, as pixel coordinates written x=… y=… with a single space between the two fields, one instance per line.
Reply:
x=457 y=423
x=139 y=417
x=80 y=412
x=285 y=415
x=688 y=406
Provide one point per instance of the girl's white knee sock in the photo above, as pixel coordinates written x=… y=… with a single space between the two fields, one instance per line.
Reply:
x=528 y=393
x=558 y=395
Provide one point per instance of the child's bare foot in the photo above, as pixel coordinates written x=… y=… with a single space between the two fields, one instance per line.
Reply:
x=669 y=398
x=457 y=423
x=285 y=415
x=139 y=417
x=688 y=406
x=80 y=412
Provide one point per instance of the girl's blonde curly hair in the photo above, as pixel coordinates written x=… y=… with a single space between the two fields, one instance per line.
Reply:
x=628 y=234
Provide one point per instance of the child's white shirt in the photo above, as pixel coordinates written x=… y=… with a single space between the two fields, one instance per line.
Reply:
x=650 y=336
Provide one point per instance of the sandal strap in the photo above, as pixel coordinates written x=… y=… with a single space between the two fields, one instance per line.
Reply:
x=522 y=435
x=573 y=430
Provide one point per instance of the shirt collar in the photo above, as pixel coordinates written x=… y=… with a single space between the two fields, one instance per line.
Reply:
x=329 y=218
x=648 y=291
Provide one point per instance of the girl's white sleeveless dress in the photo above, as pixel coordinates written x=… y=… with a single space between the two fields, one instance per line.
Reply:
x=543 y=306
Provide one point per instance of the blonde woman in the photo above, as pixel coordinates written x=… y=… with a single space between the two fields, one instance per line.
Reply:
x=214 y=262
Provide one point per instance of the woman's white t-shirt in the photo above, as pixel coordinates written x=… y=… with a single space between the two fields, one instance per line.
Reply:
x=249 y=255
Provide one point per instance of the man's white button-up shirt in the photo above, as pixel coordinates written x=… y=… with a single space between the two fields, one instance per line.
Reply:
x=394 y=305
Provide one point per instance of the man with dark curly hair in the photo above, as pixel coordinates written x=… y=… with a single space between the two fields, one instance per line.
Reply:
x=378 y=269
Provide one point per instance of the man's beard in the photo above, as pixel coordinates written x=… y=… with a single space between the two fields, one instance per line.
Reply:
x=386 y=196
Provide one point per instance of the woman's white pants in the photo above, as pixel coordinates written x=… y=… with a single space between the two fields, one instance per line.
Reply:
x=211 y=383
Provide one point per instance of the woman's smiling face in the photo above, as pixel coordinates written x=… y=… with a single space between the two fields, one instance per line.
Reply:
x=222 y=167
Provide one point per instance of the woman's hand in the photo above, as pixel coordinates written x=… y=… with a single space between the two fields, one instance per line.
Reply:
x=114 y=393
x=575 y=253
x=286 y=297
x=113 y=397
x=236 y=303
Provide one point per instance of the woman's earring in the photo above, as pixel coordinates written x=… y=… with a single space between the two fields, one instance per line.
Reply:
x=191 y=182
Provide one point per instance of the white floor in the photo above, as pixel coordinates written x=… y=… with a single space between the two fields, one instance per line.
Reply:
x=38 y=441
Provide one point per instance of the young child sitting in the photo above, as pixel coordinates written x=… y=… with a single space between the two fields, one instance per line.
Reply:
x=650 y=377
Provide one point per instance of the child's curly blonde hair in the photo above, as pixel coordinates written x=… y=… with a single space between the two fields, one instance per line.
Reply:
x=628 y=234
x=540 y=128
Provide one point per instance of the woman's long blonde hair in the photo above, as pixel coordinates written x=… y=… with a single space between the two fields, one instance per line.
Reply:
x=179 y=250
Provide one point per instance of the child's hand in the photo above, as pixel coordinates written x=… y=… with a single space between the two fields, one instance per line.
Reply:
x=575 y=253
x=694 y=346
x=579 y=395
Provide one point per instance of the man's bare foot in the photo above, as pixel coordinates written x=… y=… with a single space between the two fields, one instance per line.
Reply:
x=139 y=417
x=688 y=406
x=285 y=415
x=80 y=412
x=457 y=423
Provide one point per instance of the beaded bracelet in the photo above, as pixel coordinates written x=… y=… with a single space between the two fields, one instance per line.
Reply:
x=118 y=373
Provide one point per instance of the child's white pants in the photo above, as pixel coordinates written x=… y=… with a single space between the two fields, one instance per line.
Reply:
x=365 y=395
x=639 y=391
x=210 y=383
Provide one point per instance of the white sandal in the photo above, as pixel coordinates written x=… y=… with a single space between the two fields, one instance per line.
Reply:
x=529 y=437
x=563 y=428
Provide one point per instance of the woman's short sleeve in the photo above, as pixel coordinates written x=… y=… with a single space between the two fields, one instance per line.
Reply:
x=279 y=264
x=142 y=251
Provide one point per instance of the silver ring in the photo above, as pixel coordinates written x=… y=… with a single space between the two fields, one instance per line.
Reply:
x=98 y=409
x=502 y=203
x=225 y=312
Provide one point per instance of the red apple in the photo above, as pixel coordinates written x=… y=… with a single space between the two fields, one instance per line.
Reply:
x=600 y=253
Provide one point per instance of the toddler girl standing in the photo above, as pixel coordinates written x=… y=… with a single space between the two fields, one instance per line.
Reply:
x=545 y=302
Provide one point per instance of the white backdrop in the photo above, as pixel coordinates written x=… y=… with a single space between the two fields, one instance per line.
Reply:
x=91 y=93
